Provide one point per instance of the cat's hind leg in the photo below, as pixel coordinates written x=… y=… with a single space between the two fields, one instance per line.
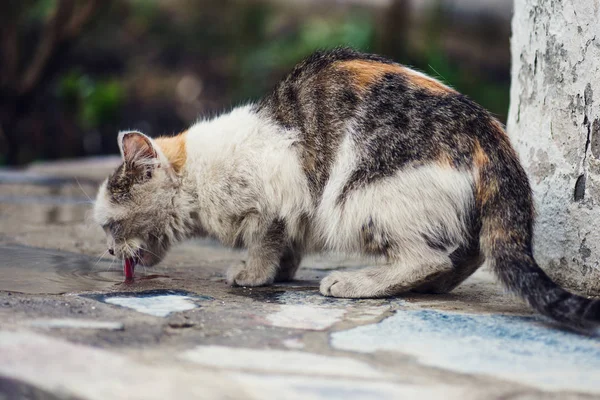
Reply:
x=385 y=280
x=465 y=262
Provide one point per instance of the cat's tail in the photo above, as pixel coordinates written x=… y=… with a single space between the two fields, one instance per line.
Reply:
x=506 y=208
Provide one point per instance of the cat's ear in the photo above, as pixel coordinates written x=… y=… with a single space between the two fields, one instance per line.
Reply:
x=137 y=148
x=139 y=151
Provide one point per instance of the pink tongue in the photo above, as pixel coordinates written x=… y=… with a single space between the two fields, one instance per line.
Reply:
x=128 y=267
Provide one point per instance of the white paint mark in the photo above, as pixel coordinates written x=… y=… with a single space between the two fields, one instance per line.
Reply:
x=365 y=314
x=293 y=343
x=306 y=317
x=71 y=370
x=279 y=361
x=318 y=388
x=76 y=324
x=514 y=348
x=159 y=306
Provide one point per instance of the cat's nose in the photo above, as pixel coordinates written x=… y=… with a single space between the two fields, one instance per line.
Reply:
x=111 y=251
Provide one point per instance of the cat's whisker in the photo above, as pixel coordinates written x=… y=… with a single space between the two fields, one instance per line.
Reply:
x=146 y=250
x=438 y=74
x=156 y=237
x=112 y=262
x=144 y=266
x=81 y=187
x=100 y=258
x=129 y=250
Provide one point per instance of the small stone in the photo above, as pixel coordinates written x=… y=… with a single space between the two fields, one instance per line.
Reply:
x=181 y=325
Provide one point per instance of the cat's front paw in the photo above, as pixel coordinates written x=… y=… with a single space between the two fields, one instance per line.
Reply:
x=244 y=274
x=340 y=284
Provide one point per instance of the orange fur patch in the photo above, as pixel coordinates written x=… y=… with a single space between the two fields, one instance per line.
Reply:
x=427 y=83
x=366 y=73
x=174 y=149
x=479 y=157
x=480 y=160
x=445 y=160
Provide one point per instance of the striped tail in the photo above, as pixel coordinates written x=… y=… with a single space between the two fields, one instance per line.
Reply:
x=507 y=214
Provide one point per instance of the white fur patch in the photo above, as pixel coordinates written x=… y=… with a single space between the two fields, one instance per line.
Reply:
x=242 y=147
x=412 y=202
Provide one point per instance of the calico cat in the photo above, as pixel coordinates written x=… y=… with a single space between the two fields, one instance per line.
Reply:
x=353 y=153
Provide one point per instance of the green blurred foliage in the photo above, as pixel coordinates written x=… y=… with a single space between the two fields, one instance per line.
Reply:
x=94 y=103
x=125 y=68
x=261 y=41
x=492 y=95
x=275 y=54
x=38 y=10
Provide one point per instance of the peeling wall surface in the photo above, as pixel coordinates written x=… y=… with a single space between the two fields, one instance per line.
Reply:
x=554 y=122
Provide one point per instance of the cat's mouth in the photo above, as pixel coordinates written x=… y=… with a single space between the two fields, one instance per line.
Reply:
x=129 y=264
x=141 y=256
x=129 y=267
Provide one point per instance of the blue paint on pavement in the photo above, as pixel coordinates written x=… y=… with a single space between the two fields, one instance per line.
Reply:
x=507 y=347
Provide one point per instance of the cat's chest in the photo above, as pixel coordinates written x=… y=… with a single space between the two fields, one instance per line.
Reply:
x=225 y=202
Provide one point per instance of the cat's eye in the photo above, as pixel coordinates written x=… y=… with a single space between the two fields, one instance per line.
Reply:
x=112 y=227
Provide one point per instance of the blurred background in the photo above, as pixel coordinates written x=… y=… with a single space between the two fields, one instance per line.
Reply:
x=75 y=72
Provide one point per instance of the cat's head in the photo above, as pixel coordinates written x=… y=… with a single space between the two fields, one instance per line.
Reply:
x=136 y=204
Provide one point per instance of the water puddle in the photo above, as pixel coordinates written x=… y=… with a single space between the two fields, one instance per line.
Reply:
x=40 y=271
x=158 y=303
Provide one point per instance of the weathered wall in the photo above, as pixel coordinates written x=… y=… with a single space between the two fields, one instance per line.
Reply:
x=554 y=122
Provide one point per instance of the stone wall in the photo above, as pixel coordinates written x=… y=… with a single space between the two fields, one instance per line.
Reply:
x=554 y=122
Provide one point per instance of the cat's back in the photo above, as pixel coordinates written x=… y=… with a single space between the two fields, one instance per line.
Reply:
x=341 y=82
x=393 y=115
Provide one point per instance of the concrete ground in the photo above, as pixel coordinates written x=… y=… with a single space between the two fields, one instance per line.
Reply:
x=70 y=328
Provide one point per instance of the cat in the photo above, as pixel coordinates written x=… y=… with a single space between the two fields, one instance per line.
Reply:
x=350 y=152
